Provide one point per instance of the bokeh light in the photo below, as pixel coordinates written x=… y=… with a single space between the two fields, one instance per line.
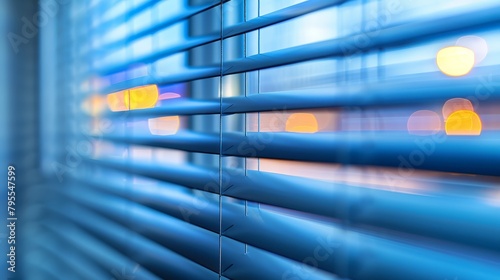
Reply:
x=455 y=61
x=302 y=123
x=163 y=99
x=475 y=43
x=116 y=101
x=456 y=104
x=135 y=98
x=463 y=122
x=168 y=95
x=141 y=97
x=94 y=105
x=164 y=125
x=424 y=122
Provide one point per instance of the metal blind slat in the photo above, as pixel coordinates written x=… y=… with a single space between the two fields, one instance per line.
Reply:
x=163 y=262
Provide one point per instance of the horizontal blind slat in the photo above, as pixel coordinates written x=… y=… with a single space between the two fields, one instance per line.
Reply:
x=331 y=199
x=234 y=254
x=95 y=248
x=194 y=243
x=379 y=149
x=250 y=263
x=163 y=23
x=406 y=90
x=374 y=207
x=358 y=148
x=159 y=259
x=78 y=263
x=185 y=141
x=231 y=31
x=411 y=89
x=174 y=107
x=387 y=37
x=186 y=76
x=376 y=258
x=181 y=204
x=185 y=175
x=115 y=21
x=279 y=16
x=155 y=56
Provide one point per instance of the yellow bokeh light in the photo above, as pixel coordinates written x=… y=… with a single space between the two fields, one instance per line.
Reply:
x=141 y=97
x=302 y=123
x=424 y=122
x=134 y=98
x=455 y=61
x=463 y=122
x=164 y=125
x=456 y=104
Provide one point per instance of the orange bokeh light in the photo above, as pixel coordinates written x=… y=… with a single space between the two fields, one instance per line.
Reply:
x=116 y=101
x=94 y=105
x=164 y=125
x=302 y=123
x=463 y=122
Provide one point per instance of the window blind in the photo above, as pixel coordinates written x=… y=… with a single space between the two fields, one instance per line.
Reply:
x=287 y=139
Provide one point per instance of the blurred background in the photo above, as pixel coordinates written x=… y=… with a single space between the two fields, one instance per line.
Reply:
x=250 y=139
